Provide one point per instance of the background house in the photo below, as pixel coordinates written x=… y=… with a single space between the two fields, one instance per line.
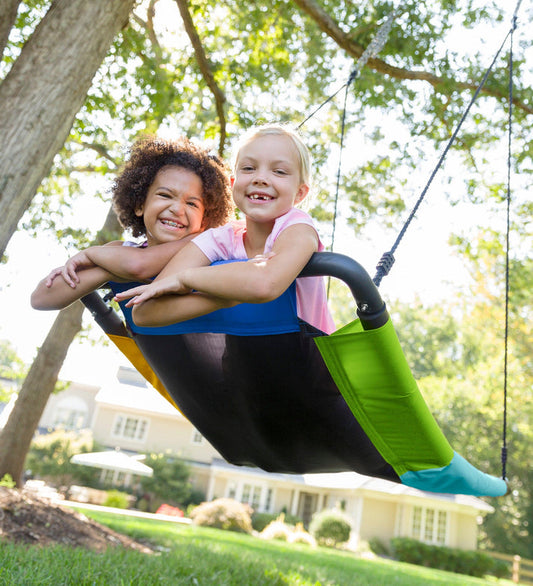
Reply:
x=130 y=415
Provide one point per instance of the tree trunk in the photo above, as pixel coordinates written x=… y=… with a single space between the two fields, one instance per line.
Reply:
x=8 y=11
x=44 y=90
x=16 y=437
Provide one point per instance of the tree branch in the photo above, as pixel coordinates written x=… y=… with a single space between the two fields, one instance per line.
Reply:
x=149 y=24
x=9 y=9
x=332 y=29
x=100 y=149
x=205 y=69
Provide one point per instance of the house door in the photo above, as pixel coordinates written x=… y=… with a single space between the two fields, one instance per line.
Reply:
x=306 y=507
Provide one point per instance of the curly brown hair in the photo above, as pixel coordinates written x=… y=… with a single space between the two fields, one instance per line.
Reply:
x=148 y=156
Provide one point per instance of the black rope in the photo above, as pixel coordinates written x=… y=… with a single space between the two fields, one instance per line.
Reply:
x=322 y=105
x=387 y=260
x=507 y=249
x=371 y=51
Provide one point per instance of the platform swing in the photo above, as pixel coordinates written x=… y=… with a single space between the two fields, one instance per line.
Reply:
x=268 y=390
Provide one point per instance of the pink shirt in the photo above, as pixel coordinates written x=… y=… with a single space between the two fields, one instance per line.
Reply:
x=227 y=243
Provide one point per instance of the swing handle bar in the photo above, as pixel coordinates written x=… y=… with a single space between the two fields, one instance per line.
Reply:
x=104 y=315
x=371 y=308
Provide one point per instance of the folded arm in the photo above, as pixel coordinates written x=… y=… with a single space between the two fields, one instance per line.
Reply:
x=93 y=267
x=126 y=262
x=59 y=294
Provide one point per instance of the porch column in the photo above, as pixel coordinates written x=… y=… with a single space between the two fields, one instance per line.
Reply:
x=210 y=486
x=357 y=518
x=295 y=499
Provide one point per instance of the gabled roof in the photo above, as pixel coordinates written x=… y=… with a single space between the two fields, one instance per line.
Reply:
x=139 y=396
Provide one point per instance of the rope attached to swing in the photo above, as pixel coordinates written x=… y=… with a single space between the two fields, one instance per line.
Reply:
x=507 y=245
x=370 y=52
x=387 y=260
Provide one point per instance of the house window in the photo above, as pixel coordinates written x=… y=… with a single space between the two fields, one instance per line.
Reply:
x=197 y=437
x=251 y=495
x=107 y=476
x=113 y=478
x=133 y=428
x=430 y=525
x=69 y=419
x=268 y=500
x=71 y=413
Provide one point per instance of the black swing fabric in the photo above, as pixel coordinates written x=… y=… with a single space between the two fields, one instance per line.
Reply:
x=266 y=401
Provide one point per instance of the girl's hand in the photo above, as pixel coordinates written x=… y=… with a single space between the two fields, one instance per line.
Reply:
x=166 y=286
x=76 y=263
x=51 y=277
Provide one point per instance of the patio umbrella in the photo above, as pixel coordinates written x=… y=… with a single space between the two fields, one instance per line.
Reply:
x=113 y=460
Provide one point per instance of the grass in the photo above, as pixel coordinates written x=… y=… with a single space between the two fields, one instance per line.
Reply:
x=201 y=556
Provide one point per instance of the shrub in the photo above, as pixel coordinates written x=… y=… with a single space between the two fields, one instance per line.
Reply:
x=300 y=535
x=472 y=563
x=261 y=520
x=49 y=458
x=330 y=527
x=378 y=547
x=117 y=499
x=170 y=482
x=276 y=529
x=223 y=513
x=7 y=481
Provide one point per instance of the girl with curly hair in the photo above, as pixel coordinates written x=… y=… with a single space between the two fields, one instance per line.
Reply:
x=167 y=192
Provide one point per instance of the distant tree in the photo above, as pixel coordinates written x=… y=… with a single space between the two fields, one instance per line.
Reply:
x=170 y=482
x=11 y=366
x=49 y=458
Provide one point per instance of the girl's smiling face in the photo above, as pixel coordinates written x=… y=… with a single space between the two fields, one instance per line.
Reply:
x=267 y=178
x=174 y=205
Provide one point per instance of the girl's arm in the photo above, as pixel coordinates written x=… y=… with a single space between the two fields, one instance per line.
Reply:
x=91 y=268
x=251 y=282
x=59 y=294
x=125 y=262
x=171 y=309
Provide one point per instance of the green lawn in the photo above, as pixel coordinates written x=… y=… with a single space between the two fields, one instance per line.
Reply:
x=202 y=556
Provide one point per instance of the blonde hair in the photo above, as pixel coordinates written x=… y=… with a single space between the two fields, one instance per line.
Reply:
x=304 y=157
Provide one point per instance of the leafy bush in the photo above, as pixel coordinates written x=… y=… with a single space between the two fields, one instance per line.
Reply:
x=276 y=529
x=472 y=563
x=49 y=458
x=7 y=481
x=117 y=499
x=300 y=535
x=378 y=547
x=261 y=520
x=224 y=513
x=330 y=527
x=170 y=483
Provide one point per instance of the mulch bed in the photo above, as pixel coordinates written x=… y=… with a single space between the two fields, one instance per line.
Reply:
x=28 y=519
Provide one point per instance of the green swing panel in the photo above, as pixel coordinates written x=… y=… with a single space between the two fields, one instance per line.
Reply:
x=373 y=376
